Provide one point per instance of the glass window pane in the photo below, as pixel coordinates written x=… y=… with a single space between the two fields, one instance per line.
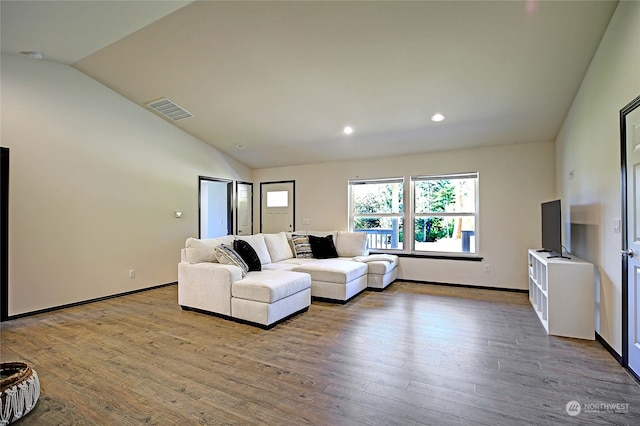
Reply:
x=445 y=234
x=445 y=196
x=382 y=232
x=277 y=198
x=377 y=198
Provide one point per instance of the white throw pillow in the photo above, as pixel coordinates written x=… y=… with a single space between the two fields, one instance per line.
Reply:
x=351 y=244
x=278 y=246
x=334 y=234
x=257 y=242
x=199 y=251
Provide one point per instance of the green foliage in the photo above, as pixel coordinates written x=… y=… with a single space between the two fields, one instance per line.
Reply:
x=377 y=198
x=433 y=196
x=366 y=223
x=431 y=229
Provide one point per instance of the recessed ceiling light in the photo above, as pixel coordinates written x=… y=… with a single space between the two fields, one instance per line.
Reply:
x=437 y=117
x=348 y=130
x=32 y=54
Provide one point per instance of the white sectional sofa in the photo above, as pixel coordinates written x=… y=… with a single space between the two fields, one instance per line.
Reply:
x=288 y=276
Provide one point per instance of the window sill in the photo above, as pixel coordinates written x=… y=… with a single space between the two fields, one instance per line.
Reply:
x=468 y=258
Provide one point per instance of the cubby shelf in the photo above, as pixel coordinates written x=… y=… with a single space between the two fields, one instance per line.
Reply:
x=561 y=293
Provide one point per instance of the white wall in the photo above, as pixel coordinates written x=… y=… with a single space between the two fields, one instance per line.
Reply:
x=514 y=180
x=94 y=182
x=589 y=144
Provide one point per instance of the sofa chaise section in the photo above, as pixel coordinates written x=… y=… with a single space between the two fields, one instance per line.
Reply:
x=382 y=270
x=335 y=279
x=267 y=297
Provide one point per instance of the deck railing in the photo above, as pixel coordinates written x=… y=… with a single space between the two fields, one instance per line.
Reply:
x=378 y=238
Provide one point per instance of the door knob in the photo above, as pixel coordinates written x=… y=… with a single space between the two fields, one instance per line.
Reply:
x=628 y=252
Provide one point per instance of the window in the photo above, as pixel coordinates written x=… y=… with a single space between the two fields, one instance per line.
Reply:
x=278 y=199
x=442 y=213
x=445 y=212
x=377 y=208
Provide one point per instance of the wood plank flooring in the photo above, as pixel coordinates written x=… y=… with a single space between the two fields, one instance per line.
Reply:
x=415 y=354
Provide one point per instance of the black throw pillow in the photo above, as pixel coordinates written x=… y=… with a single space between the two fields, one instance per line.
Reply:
x=248 y=254
x=323 y=247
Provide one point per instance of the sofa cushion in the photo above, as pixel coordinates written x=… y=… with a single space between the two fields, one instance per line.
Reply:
x=301 y=246
x=298 y=261
x=379 y=264
x=322 y=247
x=258 y=244
x=334 y=234
x=248 y=254
x=279 y=266
x=380 y=268
x=270 y=286
x=198 y=250
x=333 y=270
x=278 y=246
x=227 y=255
x=351 y=244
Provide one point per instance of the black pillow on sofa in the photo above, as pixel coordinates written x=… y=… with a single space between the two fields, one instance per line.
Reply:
x=248 y=254
x=323 y=247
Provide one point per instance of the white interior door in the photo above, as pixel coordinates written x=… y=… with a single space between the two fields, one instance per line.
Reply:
x=244 y=195
x=633 y=238
x=277 y=206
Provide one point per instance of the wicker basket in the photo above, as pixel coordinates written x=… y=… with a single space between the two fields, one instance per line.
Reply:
x=19 y=391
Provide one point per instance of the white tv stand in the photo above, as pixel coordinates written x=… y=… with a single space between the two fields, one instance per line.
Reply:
x=561 y=293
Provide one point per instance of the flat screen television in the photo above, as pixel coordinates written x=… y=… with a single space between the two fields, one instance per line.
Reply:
x=552 y=228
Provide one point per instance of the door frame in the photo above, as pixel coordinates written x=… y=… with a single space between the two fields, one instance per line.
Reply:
x=293 y=184
x=239 y=182
x=229 y=202
x=4 y=233
x=631 y=106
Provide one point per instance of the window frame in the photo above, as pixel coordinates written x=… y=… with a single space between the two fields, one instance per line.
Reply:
x=475 y=214
x=408 y=215
x=401 y=214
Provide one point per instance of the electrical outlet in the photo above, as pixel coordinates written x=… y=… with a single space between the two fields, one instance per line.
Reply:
x=132 y=273
x=487 y=268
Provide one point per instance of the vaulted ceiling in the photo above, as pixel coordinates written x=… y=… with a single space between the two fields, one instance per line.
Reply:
x=274 y=83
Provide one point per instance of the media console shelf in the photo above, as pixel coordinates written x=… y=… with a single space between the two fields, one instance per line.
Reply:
x=561 y=293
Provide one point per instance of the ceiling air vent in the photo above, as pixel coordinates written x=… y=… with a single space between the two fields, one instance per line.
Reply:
x=169 y=109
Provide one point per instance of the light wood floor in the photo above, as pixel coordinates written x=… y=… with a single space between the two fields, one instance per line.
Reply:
x=414 y=354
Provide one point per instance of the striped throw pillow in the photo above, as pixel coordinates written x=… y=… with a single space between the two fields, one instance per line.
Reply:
x=301 y=246
x=228 y=256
